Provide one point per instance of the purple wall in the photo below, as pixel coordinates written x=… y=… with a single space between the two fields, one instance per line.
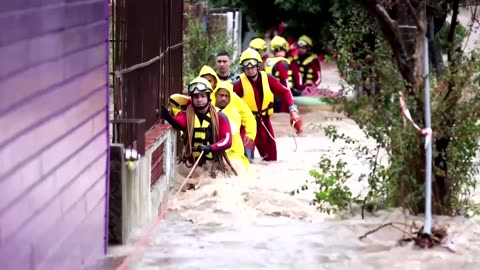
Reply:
x=53 y=133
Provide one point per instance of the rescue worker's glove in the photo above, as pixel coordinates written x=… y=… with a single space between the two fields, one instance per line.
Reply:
x=249 y=146
x=295 y=119
x=165 y=114
x=204 y=148
x=296 y=92
x=247 y=141
x=249 y=154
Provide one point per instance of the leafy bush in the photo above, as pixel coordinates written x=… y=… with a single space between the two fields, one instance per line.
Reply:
x=202 y=41
x=366 y=59
x=460 y=34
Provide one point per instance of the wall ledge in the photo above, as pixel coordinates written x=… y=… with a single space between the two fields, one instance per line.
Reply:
x=155 y=133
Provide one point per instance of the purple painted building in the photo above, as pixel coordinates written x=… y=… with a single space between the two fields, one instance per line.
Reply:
x=53 y=133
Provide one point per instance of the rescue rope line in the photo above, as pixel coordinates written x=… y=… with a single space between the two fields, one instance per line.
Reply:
x=218 y=158
x=189 y=174
x=120 y=73
x=268 y=132
x=293 y=133
x=139 y=245
x=142 y=241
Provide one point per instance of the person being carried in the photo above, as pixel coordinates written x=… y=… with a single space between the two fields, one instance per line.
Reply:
x=205 y=130
x=247 y=118
x=223 y=95
x=222 y=63
x=257 y=89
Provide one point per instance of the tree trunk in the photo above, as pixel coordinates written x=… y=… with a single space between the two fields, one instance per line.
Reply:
x=435 y=51
x=442 y=184
x=404 y=26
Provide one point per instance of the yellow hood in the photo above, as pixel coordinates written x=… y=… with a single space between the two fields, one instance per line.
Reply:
x=231 y=112
x=225 y=85
x=237 y=150
x=237 y=104
x=208 y=70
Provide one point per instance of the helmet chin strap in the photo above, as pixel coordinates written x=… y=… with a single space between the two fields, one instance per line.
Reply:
x=254 y=76
x=202 y=107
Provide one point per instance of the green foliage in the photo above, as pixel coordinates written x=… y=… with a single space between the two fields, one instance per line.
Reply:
x=332 y=193
x=308 y=17
x=379 y=116
x=460 y=34
x=365 y=59
x=201 y=44
x=352 y=45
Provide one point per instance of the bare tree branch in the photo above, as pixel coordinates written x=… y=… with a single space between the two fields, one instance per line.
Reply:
x=418 y=23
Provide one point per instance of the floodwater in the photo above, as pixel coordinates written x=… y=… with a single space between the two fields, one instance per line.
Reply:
x=252 y=221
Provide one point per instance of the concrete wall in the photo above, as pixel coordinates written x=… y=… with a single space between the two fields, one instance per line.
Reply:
x=145 y=186
x=54 y=133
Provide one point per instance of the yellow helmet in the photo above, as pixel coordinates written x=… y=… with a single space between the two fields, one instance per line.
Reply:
x=199 y=85
x=304 y=41
x=250 y=57
x=279 y=42
x=178 y=103
x=258 y=44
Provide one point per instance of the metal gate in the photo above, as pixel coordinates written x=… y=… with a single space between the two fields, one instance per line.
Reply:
x=146 y=64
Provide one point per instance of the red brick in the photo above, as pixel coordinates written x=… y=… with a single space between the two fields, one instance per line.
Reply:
x=155 y=133
x=157 y=164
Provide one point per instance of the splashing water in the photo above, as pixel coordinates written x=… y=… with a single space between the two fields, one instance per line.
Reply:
x=252 y=222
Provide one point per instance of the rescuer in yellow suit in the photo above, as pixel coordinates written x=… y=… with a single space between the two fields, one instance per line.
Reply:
x=248 y=120
x=222 y=95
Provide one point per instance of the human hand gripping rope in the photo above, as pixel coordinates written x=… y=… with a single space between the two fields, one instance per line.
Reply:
x=427 y=132
x=294 y=119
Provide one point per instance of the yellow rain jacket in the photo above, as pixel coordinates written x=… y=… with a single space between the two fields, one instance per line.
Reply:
x=236 y=151
x=247 y=118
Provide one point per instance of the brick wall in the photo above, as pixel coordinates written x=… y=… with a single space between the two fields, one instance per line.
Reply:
x=158 y=160
x=54 y=133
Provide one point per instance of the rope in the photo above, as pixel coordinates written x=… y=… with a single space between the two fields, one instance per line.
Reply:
x=293 y=133
x=268 y=132
x=142 y=241
x=187 y=149
x=189 y=174
x=120 y=73
x=189 y=132
x=154 y=224
x=218 y=158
